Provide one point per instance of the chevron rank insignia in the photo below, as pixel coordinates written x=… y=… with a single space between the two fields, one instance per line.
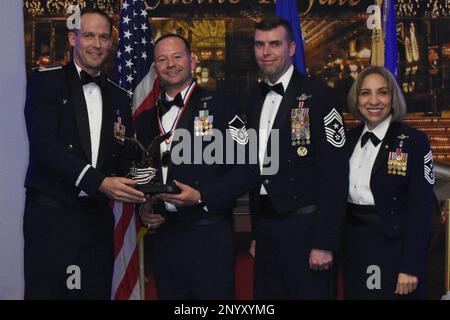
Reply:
x=238 y=130
x=428 y=168
x=334 y=129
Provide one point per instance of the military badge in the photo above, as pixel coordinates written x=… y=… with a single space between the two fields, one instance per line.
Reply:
x=119 y=129
x=238 y=131
x=334 y=128
x=402 y=137
x=303 y=97
x=204 y=100
x=429 y=168
x=397 y=162
x=302 y=151
x=203 y=123
x=300 y=130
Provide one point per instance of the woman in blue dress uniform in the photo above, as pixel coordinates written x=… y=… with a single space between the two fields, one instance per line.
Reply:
x=390 y=194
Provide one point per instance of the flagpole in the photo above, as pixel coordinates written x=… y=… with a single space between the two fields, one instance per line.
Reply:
x=141 y=268
x=377 y=54
x=134 y=60
x=141 y=256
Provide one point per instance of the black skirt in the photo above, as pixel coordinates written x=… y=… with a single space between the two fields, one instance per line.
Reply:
x=371 y=261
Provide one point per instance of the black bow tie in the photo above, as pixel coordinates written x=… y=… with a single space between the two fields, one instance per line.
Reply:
x=278 y=88
x=369 y=135
x=165 y=106
x=87 y=78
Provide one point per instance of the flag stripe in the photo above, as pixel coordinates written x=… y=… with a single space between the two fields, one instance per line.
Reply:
x=136 y=75
x=150 y=98
x=123 y=218
x=127 y=285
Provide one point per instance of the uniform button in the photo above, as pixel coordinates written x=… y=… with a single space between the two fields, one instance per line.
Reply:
x=70 y=147
x=392 y=212
x=289 y=161
x=295 y=197
x=197 y=183
x=394 y=198
x=113 y=155
x=395 y=227
x=291 y=179
x=266 y=182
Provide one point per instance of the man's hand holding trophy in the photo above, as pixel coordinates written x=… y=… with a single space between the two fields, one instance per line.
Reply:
x=144 y=172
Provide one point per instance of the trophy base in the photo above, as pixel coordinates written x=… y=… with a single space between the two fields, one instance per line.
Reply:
x=153 y=188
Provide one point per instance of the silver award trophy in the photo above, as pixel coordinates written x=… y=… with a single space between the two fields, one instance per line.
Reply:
x=145 y=171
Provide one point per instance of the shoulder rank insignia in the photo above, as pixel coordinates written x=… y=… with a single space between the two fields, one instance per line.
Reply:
x=238 y=130
x=334 y=128
x=49 y=68
x=130 y=93
x=429 y=168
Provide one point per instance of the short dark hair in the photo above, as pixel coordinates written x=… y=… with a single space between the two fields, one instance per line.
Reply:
x=174 y=35
x=98 y=11
x=273 y=22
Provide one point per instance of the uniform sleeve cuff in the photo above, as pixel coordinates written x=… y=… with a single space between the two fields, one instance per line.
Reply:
x=83 y=172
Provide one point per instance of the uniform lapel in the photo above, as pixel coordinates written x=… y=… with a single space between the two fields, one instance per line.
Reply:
x=353 y=138
x=107 y=126
x=254 y=115
x=80 y=109
x=256 y=112
x=187 y=122
x=286 y=105
x=388 y=140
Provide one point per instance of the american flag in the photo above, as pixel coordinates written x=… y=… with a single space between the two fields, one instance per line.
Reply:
x=136 y=74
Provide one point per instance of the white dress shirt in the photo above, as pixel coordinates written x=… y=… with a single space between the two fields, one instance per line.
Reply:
x=268 y=114
x=361 y=163
x=94 y=104
x=168 y=123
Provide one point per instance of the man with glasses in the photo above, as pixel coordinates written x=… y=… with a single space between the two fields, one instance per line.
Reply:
x=76 y=121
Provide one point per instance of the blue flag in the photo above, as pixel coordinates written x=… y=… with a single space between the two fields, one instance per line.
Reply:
x=287 y=9
x=390 y=39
